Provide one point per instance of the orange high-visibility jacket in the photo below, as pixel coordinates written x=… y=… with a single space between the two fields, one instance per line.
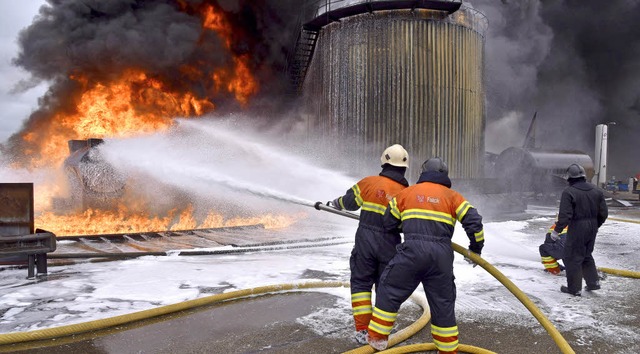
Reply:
x=431 y=209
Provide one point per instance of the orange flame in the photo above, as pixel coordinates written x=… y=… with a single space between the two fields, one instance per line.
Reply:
x=134 y=103
x=95 y=222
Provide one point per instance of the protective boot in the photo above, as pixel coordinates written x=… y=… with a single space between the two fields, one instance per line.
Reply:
x=554 y=270
x=565 y=290
x=551 y=265
x=361 y=337
x=377 y=341
x=592 y=287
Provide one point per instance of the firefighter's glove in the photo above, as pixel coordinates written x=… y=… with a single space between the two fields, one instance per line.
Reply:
x=468 y=260
x=335 y=204
x=554 y=235
x=476 y=248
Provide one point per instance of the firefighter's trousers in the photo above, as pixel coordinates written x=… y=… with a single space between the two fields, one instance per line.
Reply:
x=579 y=261
x=427 y=260
x=371 y=253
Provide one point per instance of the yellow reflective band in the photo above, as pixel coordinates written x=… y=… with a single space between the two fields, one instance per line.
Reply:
x=393 y=208
x=564 y=231
x=356 y=192
x=365 y=295
x=462 y=209
x=444 y=331
x=548 y=259
x=446 y=346
x=375 y=326
x=479 y=235
x=341 y=203
x=361 y=310
x=384 y=315
x=374 y=208
x=428 y=215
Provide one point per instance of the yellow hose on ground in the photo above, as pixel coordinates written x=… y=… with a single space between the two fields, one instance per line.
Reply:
x=621 y=272
x=625 y=220
x=62 y=331
x=414 y=348
x=544 y=321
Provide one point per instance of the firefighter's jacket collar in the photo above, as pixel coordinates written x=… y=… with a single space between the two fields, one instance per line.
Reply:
x=395 y=173
x=581 y=184
x=435 y=177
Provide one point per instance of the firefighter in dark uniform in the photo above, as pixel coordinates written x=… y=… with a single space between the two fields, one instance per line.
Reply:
x=551 y=251
x=427 y=213
x=374 y=246
x=584 y=210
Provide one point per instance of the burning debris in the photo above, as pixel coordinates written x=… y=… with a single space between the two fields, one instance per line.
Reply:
x=127 y=68
x=93 y=181
x=123 y=68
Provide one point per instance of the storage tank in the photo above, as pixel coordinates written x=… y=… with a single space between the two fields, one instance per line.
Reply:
x=406 y=72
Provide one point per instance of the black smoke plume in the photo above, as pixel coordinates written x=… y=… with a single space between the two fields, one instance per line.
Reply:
x=99 y=40
x=575 y=62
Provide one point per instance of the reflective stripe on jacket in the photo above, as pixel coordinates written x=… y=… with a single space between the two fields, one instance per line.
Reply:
x=372 y=194
x=431 y=209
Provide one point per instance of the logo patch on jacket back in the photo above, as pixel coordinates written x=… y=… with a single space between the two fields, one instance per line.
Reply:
x=383 y=196
x=422 y=199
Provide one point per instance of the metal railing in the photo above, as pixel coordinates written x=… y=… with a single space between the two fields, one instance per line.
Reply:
x=319 y=7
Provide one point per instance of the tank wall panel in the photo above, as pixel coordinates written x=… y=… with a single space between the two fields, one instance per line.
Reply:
x=407 y=77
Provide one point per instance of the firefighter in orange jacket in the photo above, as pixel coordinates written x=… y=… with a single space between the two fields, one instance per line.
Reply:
x=427 y=213
x=551 y=250
x=374 y=246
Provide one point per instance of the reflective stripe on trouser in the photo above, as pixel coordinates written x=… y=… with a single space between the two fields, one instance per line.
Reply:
x=550 y=263
x=361 y=305
x=445 y=338
x=381 y=323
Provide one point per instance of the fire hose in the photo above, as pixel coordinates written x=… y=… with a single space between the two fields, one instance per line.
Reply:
x=519 y=294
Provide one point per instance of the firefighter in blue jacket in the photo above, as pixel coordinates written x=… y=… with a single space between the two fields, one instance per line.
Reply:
x=584 y=210
x=427 y=213
x=373 y=247
x=552 y=249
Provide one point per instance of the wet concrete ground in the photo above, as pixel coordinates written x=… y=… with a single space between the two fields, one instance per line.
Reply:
x=269 y=324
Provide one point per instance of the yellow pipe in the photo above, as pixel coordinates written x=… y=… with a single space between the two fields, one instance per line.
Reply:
x=551 y=329
x=621 y=272
x=625 y=220
x=62 y=331
x=414 y=348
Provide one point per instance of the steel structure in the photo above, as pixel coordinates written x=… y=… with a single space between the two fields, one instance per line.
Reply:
x=407 y=72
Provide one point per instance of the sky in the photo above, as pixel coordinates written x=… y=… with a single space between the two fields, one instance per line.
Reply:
x=122 y=287
x=15 y=106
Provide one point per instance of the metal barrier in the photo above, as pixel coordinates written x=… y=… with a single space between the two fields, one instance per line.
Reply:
x=18 y=242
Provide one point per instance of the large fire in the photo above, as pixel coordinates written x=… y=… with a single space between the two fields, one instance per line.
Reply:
x=137 y=101
x=123 y=221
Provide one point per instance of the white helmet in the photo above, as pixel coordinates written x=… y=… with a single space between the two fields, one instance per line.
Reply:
x=395 y=155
